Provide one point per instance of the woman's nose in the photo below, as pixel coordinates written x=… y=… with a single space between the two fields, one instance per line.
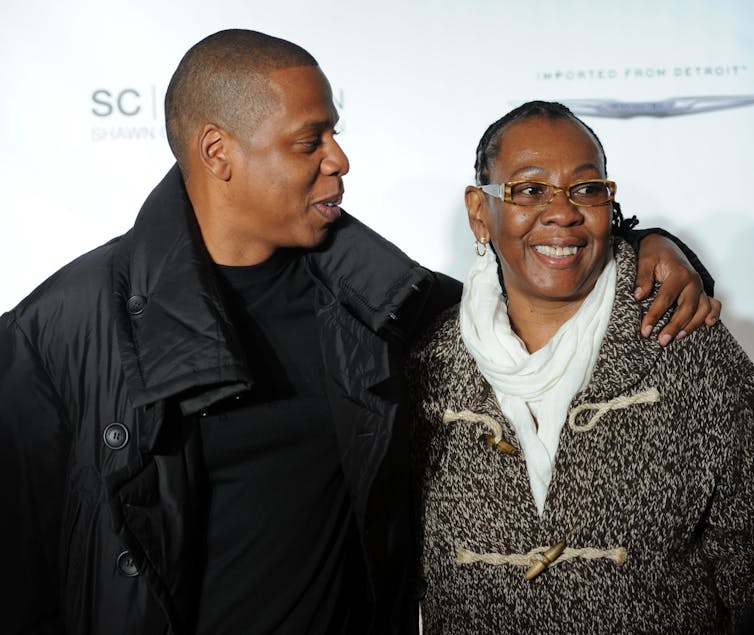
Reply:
x=560 y=210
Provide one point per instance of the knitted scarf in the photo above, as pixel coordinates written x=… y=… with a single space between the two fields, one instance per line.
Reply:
x=541 y=384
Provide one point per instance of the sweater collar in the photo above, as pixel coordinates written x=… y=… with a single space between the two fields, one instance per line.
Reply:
x=625 y=357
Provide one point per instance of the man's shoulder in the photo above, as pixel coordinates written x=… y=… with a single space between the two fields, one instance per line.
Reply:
x=81 y=287
x=353 y=246
x=377 y=280
x=373 y=251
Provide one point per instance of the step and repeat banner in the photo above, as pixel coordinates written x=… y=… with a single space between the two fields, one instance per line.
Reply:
x=668 y=86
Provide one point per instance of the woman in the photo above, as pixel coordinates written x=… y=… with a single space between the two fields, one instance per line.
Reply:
x=574 y=476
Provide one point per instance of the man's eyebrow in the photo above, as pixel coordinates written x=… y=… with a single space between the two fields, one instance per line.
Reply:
x=319 y=124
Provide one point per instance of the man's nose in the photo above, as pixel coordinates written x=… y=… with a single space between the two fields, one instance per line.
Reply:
x=335 y=161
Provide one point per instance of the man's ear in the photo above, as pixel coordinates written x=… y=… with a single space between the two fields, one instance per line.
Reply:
x=476 y=206
x=215 y=151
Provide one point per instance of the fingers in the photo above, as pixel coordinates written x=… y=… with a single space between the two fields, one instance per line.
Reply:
x=657 y=258
x=677 y=328
x=661 y=261
x=645 y=278
x=682 y=287
x=714 y=315
x=694 y=308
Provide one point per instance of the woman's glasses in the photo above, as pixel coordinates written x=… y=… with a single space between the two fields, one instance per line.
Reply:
x=532 y=193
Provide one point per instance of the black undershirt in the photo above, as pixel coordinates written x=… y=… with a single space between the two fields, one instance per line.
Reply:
x=283 y=553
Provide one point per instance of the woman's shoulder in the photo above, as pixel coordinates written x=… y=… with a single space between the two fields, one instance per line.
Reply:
x=442 y=336
x=718 y=352
x=433 y=362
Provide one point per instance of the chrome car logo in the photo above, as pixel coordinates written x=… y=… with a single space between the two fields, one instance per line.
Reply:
x=670 y=107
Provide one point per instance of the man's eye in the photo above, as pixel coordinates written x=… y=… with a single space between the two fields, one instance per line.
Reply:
x=311 y=144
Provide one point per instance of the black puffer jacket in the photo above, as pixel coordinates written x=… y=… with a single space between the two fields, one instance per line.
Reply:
x=104 y=370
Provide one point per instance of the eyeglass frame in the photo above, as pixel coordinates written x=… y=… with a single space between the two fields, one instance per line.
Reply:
x=494 y=189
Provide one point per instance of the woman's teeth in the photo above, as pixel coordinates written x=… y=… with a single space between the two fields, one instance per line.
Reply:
x=556 y=252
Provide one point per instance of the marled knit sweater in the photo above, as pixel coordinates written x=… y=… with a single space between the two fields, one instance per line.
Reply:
x=653 y=495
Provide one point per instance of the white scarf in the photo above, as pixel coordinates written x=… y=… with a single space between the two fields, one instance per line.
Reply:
x=543 y=383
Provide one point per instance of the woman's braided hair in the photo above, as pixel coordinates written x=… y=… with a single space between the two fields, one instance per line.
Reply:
x=489 y=146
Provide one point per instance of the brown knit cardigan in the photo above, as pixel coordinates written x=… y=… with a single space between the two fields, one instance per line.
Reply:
x=652 y=490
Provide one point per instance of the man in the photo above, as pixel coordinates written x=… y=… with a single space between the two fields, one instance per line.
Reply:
x=202 y=421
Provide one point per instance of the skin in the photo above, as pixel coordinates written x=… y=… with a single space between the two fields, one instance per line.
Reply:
x=662 y=260
x=277 y=185
x=544 y=292
x=256 y=190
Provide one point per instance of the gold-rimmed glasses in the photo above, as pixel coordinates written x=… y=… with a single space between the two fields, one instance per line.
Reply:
x=590 y=193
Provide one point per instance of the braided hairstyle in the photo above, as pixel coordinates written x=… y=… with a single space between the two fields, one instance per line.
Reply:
x=489 y=145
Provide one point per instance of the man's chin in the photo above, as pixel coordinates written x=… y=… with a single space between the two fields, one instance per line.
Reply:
x=319 y=238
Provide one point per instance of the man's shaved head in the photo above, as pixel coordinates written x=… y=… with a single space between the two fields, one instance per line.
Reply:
x=224 y=80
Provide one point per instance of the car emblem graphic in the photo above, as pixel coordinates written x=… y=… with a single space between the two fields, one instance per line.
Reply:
x=671 y=107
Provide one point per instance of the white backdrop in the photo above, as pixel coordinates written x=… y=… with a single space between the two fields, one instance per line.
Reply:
x=417 y=83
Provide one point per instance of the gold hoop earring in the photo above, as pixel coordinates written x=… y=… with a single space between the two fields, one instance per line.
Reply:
x=483 y=243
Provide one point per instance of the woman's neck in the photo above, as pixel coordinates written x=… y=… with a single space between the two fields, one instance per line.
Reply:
x=536 y=320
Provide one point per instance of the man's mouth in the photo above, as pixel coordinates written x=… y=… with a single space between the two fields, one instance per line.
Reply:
x=330 y=208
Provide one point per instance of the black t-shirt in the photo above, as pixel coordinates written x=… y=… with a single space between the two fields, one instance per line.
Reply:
x=283 y=552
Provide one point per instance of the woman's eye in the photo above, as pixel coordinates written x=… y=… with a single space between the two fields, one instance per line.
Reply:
x=591 y=190
x=587 y=188
x=531 y=189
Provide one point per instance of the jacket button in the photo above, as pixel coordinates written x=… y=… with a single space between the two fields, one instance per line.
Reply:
x=126 y=565
x=501 y=446
x=548 y=557
x=136 y=304
x=115 y=436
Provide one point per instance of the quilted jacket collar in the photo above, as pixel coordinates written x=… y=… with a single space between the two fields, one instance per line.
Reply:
x=175 y=335
x=370 y=277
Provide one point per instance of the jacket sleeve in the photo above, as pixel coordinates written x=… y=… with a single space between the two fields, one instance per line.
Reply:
x=728 y=537
x=34 y=444
x=445 y=293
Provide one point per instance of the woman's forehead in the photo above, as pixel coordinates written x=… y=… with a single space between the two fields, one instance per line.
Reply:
x=543 y=141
